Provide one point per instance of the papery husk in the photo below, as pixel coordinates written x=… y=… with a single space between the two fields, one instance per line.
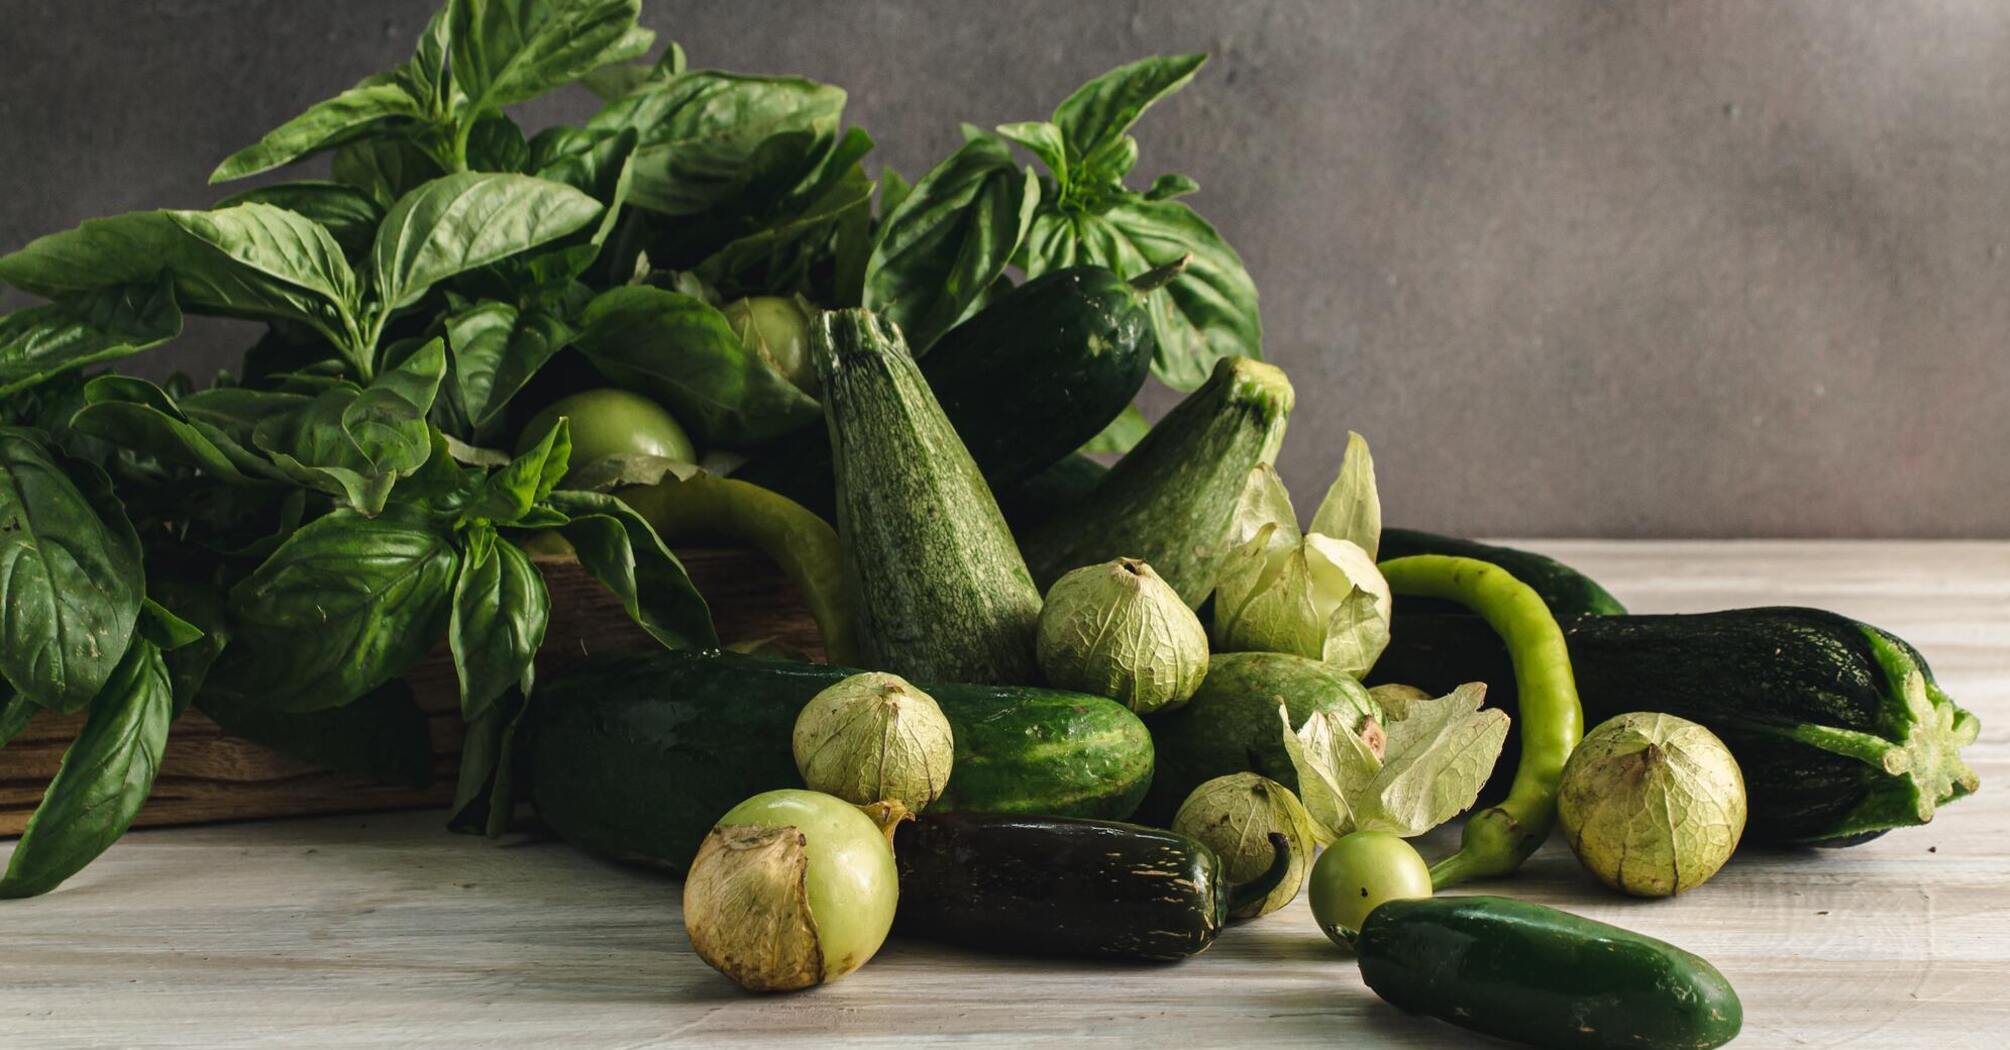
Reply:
x=747 y=908
x=1652 y=804
x=875 y=738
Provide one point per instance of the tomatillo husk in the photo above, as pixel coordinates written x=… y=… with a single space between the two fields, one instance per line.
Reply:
x=1235 y=816
x=1652 y=804
x=1118 y=630
x=875 y=738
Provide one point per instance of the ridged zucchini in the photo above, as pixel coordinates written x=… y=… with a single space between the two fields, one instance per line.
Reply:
x=1839 y=727
x=1566 y=591
x=1544 y=977
x=1054 y=886
x=1169 y=502
x=1231 y=724
x=1026 y=381
x=940 y=590
x=636 y=758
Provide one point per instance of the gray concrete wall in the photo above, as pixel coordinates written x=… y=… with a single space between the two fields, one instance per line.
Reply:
x=1576 y=267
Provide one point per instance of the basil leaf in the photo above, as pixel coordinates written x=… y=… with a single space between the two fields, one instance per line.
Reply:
x=167 y=632
x=1044 y=140
x=501 y=610
x=250 y=260
x=202 y=606
x=16 y=711
x=485 y=791
x=427 y=75
x=949 y=239
x=496 y=143
x=495 y=351
x=386 y=169
x=1208 y=311
x=781 y=258
x=1167 y=187
x=1123 y=433
x=700 y=131
x=460 y=222
x=105 y=778
x=683 y=352
x=367 y=108
x=71 y=578
x=350 y=215
x=619 y=548
x=383 y=734
x=616 y=81
x=355 y=443
x=133 y=413
x=507 y=494
x=85 y=329
x=509 y=51
x=1102 y=110
x=346 y=604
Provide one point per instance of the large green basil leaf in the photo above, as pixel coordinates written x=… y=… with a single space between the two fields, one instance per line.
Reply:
x=133 y=413
x=485 y=790
x=618 y=80
x=783 y=257
x=501 y=610
x=509 y=492
x=84 y=329
x=350 y=215
x=367 y=108
x=681 y=350
x=356 y=443
x=383 y=734
x=16 y=711
x=457 y=223
x=496 y=349
x=386 y=169
x=950 y=238
x=250 y=260
x=619 y=548
x=346 y=604
x=496 y=143
x=105 y=778
x=201 y=604
x=701 y=130
x=1096 y=116
x=71 y=578
x=1207 y=312
x=509 y=51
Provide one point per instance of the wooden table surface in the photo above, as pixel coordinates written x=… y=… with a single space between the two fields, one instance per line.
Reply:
x=386 y=931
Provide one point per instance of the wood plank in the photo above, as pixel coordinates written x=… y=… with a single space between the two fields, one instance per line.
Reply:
x=385 y=931
x=206 y=774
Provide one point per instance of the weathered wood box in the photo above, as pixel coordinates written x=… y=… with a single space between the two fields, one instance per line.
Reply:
x=209 y=775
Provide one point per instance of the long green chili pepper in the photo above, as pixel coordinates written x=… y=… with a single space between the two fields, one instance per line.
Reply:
x=1497 y=839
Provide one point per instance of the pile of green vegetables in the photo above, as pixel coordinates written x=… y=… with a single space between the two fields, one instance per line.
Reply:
x=481 y=344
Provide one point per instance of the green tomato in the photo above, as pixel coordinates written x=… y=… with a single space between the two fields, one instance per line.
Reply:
x=791 y=889
x=1360 y=872
x=777 y=329
x=611 y=421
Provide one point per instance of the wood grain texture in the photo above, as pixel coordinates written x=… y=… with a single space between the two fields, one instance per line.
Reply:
x=209 y=775
x=385 y=931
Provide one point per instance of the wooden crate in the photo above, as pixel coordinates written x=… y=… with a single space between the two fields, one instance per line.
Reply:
x=208 y=775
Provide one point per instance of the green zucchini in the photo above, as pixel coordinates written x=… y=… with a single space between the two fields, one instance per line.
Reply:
x=1170 y=501
x=1547 y=978
x=1566 y=591
x=1839 y=727
x=1055 y=886
x=1026 y=381
x=940 y=590
x=636 y=758
x=1231 y=724
x=1054 y=491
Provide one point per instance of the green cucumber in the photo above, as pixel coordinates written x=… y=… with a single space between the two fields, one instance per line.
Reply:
x=940 y=590
x=1566 y=591
x=1026 y=381
x=1544 y=977
x=636 y=758
x=1231 y=724
x=1839 y=727
x=1050 y=493
x=1170 y=501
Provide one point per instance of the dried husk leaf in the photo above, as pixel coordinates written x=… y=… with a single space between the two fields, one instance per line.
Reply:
x=747 y=908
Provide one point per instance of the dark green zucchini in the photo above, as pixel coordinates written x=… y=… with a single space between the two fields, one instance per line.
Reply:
x=1839 y=728
x=1054 y=886
x=1170 y=501
x=636 y=758
x=1566 y=591
x=1026 y=381
x=1231 y=724
x=1543 y=977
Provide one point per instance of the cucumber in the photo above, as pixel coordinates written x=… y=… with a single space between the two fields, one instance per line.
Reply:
x=636 y=758
x=1231 y=724
x=1055 y=886
x=1835 y=745
x=1544 y=977
x=1026 y=381
x=1054 y=491
x=1566 y=591
x=940 y=592
x=1171 y=500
